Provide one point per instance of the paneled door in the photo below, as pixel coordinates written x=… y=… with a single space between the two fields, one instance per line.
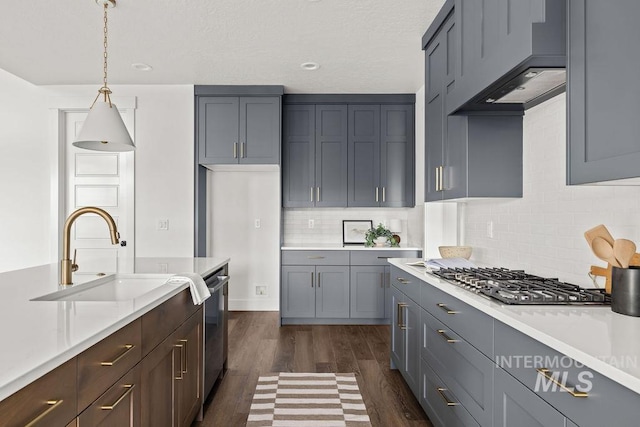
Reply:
x=104 y=180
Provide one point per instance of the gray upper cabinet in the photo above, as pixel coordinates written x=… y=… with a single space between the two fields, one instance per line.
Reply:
x=298 y=156
x=466 y=156
x=381 y=155
x=603 y=126
x=314 y=163
x=238 y=130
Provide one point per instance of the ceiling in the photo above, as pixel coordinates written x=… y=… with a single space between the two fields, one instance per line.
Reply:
x=362 y=46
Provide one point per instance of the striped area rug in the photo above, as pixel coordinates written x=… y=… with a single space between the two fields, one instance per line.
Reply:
x=308 y=400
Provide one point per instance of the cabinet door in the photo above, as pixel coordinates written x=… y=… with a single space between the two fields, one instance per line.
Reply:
x=188 y=394
x=218 y=141
x=434 y=113
x=603 y=126
x=259 y=130
x=118 y=406
x=298 y=156
x=367 y=292
x=331 y=156
x=332 y=291
x=455 y=171
x=514 y=404
x=159 y=370
x=397 y=158
x=364 y=156
x=298 y=291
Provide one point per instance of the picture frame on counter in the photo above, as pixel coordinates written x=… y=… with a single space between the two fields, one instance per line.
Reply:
x=354 y=231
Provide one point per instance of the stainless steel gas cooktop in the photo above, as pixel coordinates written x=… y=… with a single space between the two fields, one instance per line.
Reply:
x=518 y=287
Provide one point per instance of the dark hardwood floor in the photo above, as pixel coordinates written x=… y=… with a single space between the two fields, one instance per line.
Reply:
x=258 y=345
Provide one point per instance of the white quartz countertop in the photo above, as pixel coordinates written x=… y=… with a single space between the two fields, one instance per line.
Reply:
x=38 y=336
x=340 y=247
x=597 y=337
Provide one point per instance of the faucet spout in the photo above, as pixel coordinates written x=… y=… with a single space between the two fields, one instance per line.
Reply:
x=66 y=265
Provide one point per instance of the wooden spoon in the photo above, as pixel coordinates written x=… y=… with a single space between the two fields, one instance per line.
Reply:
x=624 y=250
x=598 y=231
x=604 y=251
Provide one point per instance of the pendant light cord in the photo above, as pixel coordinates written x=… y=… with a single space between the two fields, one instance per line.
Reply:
x=104 y=90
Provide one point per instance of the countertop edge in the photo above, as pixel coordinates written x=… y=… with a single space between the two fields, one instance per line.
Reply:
x=348 y=248
x=497 y=312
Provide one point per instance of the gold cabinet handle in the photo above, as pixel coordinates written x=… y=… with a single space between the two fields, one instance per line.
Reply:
x=180 y=346
x=447 y=309
x=377 y=194
x=53 y=404
x=111 y=407
x=441 y=391
x=311 y=191
x=384 y=197
x=317 y=194
x=441 y=178
x=184 y=357
x=401 y=306
x=315 y=257
x=235 y=150
x=312 y=277
x=571 y=390
x=318 y=279
x=446 y=337
x=242 y=150
x=403 y=281
x=437 y=179
x=127 y=349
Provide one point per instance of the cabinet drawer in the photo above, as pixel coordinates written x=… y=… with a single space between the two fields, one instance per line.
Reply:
x=118 y=406
x=160 y=322
x=407 y=283
x=51 y=400
x=606 y=400
x=315 y=257
x=471 y=324
x=379 y=257
x=439 y=403
x=464 y=370
x=100 y=366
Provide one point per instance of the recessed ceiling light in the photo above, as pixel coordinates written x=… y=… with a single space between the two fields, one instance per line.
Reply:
x=141 y=66
x=310 y=66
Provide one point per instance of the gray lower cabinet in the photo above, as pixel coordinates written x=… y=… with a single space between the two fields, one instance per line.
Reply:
x=381 y=155
x=315 y=291
x=602 y=124
x=314 y=166
x=368 y=288
x=242 y=130
x=405 y=338
x=516 y=405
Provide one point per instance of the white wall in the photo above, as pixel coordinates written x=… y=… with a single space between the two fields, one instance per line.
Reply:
x=24 y=175
x=543 y=231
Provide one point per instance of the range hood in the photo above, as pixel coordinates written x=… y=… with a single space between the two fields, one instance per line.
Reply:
x=532 y=86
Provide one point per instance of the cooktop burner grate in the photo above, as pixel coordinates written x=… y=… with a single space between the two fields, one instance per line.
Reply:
x=520 y=288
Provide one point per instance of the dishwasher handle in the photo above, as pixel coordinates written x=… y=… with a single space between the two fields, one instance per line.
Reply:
x=216 y=284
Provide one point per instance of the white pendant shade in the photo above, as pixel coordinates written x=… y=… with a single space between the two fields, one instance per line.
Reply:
x=104 y=130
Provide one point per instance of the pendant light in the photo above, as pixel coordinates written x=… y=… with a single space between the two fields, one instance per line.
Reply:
x=103 y=129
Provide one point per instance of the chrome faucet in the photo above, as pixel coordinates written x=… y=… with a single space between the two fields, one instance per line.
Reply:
x=66 y=265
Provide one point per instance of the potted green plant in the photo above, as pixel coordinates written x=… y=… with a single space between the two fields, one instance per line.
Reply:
x=380 y=236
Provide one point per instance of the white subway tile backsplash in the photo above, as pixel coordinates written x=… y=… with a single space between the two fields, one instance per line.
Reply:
x=543 y=231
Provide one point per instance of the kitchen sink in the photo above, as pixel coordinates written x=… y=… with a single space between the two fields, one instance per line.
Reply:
x=115 y=287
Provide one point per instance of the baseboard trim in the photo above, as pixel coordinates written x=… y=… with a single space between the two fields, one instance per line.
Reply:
x=254 y=304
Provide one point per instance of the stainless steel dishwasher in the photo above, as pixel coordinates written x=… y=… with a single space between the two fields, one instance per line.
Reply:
x=215 y=328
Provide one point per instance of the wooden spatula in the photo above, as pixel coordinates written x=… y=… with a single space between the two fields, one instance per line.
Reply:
x=624 y=250
x=604 y=251
x=598 y=231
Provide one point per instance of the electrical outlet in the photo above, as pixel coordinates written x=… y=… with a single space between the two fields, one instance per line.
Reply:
x=261 y=290
x=163 y=224
x=257 y=223
x=490 y=229
x=312 y=223
x=163 y=268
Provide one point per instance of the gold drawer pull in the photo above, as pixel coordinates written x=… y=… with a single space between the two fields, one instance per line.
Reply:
x=447 y=309
x=315 y=257
x=127 y=347
x=53 y=404
x=181 y=347
x=403 y=281
x=446 y=337
x=401 y=324
x=441 y=391
x=571 y=390
x=184 y=357
x=111 y=407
